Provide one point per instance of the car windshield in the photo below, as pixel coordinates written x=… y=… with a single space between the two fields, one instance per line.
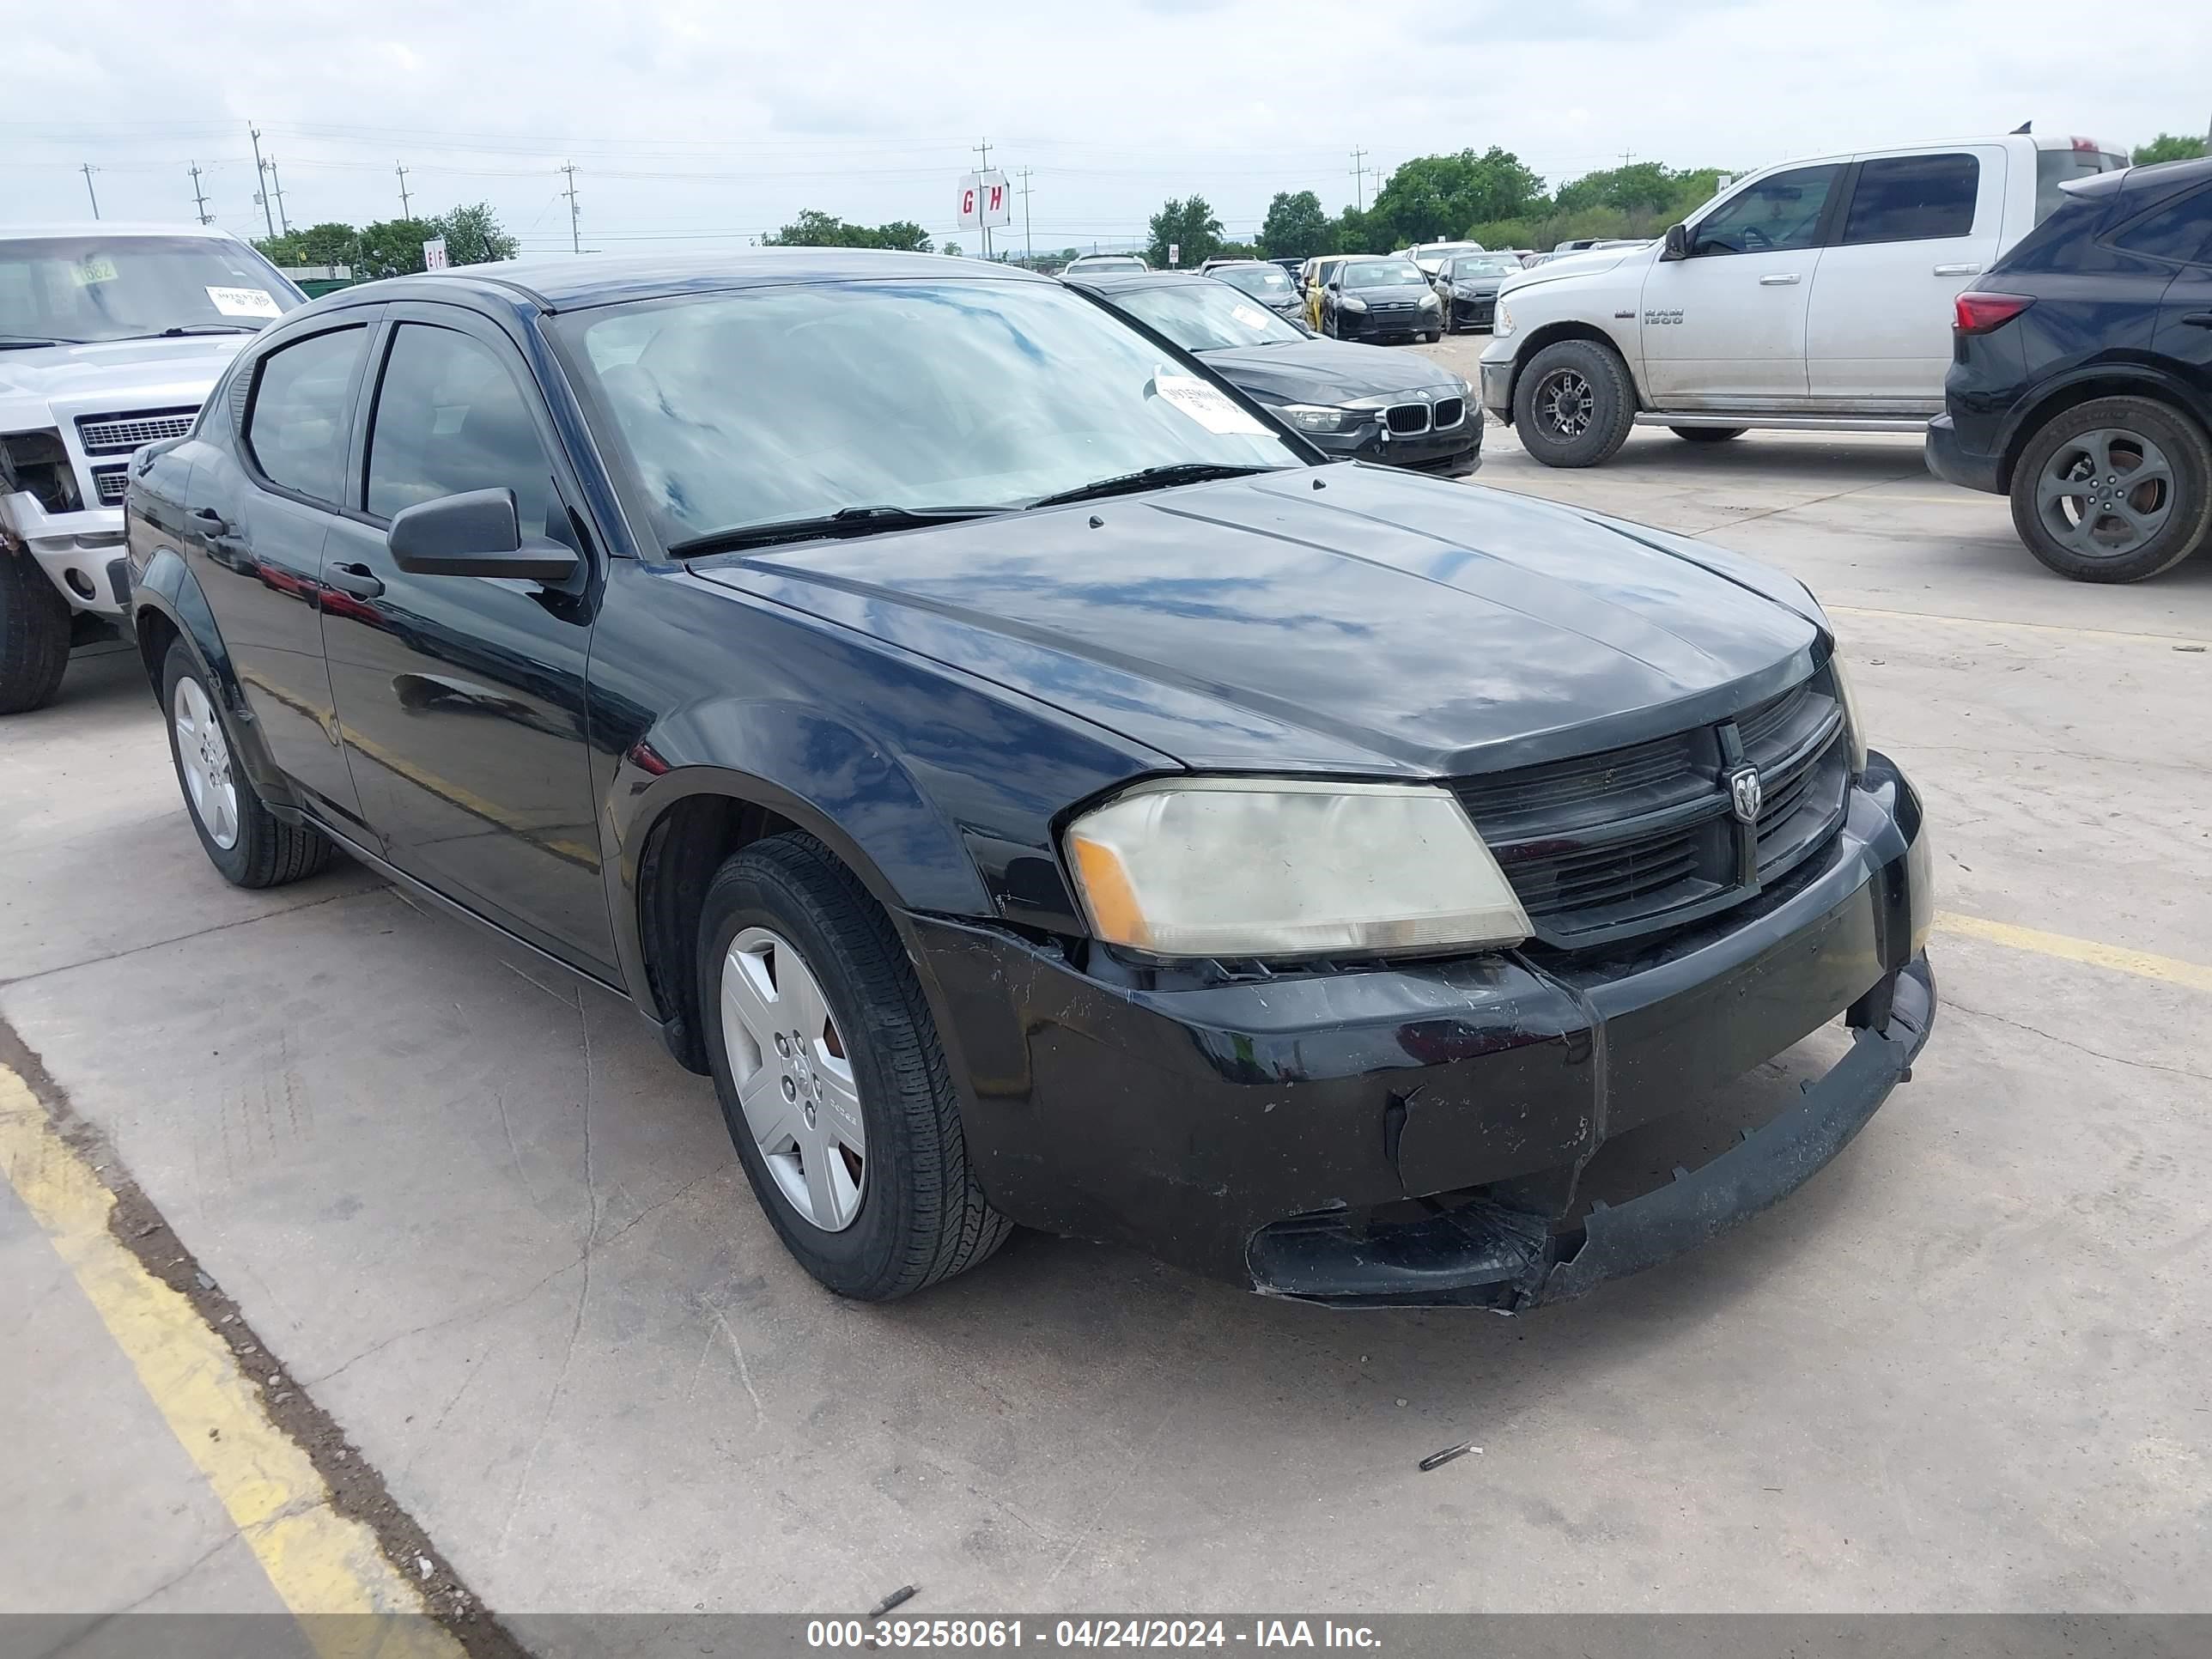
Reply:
x=1381 y=273
x=775 y=403
x=1483 y=264
x=80 y=289
x=1203 y=317
x=1263 y=281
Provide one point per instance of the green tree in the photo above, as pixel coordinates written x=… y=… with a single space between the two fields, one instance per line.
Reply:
x=1647 y=190
x=392 y=248
x=1436 y=198
x=952 y=249
x=2169 y=146
x=1296 y=227
x=279 y=251
x=330 y=243
x=815 y=228
x=473 y=236
x=1190 y=227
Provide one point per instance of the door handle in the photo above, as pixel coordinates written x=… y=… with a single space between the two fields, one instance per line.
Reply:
x=1781 y=279
x=357 y=580
x=208 y=516
x=1969 y=268
x=2198 y=318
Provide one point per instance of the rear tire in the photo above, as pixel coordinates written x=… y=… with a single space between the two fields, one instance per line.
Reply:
x=1708 y=434
x=34 y=636
x=1574 y=404
x=248 y=844
x=902 y=1208
x=2076 y=510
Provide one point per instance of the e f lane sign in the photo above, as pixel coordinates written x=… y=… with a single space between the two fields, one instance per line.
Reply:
x=985 y=200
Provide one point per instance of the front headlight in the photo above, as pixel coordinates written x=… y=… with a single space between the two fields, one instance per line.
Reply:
x=1352 y=302
x=1854 y=723
x=1281 y=867
x=1430 y=302
x=1316 y=417
x=1501 y=322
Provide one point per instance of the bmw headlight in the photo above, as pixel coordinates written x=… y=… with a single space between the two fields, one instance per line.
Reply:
x=1282 y=868
x=1501 y=322
x=1316 y=417
x=1853 y=723
x=1352 y=302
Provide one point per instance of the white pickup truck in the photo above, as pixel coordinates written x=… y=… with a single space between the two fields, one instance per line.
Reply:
x=110 y=338
x=1815 y=294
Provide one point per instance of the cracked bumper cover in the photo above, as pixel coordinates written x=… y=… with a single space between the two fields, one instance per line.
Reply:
x=1282 y=1134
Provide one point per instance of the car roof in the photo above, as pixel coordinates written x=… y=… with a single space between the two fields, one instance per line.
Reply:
x=576 y=282
x=1118 y=281
x=117 y=227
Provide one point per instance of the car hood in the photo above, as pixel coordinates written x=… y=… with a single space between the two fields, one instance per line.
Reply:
x=1346 y=619
x=1389 y=293
x=108 y=375
x=1587 y=263
x=1326 y=371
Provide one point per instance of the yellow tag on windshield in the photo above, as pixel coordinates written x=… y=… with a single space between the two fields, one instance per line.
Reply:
x=99 y=268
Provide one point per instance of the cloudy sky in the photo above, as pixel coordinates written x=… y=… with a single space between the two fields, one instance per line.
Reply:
x=691 y=122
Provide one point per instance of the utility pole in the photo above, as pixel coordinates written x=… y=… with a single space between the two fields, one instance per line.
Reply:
x=87 y=169
x=984 y=150
x=1358 y=181
x=1627 y=157
x=261 y=181
x=406 y=209
x=1029 y=244
x=282 y=223
x=199 y=199
x=575 y=234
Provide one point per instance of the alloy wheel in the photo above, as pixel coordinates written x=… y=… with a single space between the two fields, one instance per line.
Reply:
x=794 y=1078
x=1565 y=404
x=2106 y=492
x=203 y=759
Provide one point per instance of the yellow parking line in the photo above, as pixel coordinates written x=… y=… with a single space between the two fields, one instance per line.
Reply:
x=2031 y=627
x=2141 y=963
x=319 y=1561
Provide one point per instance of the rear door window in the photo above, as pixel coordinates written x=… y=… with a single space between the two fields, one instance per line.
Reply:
x=296 y=427
x=1913 y=199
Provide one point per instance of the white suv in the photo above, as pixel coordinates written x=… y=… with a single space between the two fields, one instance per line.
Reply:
x=110 y=338
x=1814 y=293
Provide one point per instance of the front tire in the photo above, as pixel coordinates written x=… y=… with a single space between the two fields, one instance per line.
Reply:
x=831 y=1077
x=2114 y=490
x=34 y=636
x=248 y=845
x=1708 y=434
x=1574 y=404
x=1435 y=334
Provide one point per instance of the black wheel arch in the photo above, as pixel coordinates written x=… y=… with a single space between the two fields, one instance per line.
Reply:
x=2145 y=379
x=167 y=606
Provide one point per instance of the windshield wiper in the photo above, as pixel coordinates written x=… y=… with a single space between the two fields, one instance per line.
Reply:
x=1150 y=478
x=19 y=342
x=178 y=331
x=845 y=521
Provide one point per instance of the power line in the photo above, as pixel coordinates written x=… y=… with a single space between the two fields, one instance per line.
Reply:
x=87 y=169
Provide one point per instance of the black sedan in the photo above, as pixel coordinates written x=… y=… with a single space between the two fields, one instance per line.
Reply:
x=1354 y=402
x=1032 y=787
x=1468 y=286
x=2081 y=377
x=1381 y=298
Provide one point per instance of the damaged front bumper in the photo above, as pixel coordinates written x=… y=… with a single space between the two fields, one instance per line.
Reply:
x=82 y=552
x=1413 y=1133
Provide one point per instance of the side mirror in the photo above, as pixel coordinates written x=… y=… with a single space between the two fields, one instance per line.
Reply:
x=475 y=533
x=1678 y=243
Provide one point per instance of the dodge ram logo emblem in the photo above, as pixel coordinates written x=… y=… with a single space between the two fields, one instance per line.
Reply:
x=1745 y=793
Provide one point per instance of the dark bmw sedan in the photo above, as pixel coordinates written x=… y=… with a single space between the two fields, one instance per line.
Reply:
x=1035 y=789
x=2080 y=383
x=1381 y=299
x=1353 y=402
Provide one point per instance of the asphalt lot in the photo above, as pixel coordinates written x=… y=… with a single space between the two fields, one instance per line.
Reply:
x=481 y=1220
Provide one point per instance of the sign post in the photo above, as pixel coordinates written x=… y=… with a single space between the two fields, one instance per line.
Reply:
x=1174 y=254
x=433 y=254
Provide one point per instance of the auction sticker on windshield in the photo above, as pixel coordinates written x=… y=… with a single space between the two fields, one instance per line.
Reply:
x=97 y=268
x=1250 y=316
x=243 y=302
x=1206 y=406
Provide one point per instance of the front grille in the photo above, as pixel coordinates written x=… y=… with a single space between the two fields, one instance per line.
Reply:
x=1633 y=841
x=1449 y=411
x=1406 y=420
x=111 y=482
x=118 y=435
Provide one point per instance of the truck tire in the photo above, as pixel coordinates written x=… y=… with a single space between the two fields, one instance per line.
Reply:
x=832 y=1080
x=2076 y=509
x=249 y=845
x=1708 y=434
x=1574 y=404
x=34 y=636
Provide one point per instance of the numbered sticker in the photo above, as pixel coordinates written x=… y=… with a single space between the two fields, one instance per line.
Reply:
x=1205 y=404
x=1250 y=316
x=96 y=269
x=243 y=302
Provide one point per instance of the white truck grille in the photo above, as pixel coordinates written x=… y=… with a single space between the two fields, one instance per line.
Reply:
x=118 y=435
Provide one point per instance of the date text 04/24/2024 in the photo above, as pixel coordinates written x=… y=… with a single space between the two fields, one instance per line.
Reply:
x=976 y=1634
